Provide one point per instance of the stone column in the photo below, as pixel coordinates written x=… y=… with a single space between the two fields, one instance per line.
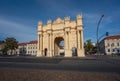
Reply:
x=50 y=46
x=80 y=49
x=67 y=50
x=38 y=42
x=78 y=43
x=66 y=40
x=82 y=44
x=53 y=44
x=78 y=39
x=39 y=45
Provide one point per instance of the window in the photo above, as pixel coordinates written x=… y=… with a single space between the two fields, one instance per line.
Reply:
x=117 y=44
x=108 y=44
x=118 y=50
x=108 y=50
x=112 y=44
x=113 y=50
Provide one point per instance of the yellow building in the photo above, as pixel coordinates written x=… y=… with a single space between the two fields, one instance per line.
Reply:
x=51 y=34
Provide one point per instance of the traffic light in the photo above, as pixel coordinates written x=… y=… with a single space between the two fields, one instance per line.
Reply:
x=107 y=33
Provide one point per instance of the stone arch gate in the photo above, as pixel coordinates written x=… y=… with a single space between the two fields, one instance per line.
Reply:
x=70 y=31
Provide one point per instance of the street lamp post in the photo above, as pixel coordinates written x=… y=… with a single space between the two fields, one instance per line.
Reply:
x=97 y=33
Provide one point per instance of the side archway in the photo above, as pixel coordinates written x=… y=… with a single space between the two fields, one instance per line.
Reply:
x=45 y=51
x=74 y=51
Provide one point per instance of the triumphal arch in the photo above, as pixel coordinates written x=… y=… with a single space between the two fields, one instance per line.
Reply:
x=51 y=34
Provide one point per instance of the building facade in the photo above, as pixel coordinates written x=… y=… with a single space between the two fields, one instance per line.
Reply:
x=110 y=45
x=22 y=49
x=51 y=34
x=25 y=48
x=32 y=48
x=28 y=48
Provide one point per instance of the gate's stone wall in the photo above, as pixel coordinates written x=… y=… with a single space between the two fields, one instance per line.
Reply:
x=70 y=31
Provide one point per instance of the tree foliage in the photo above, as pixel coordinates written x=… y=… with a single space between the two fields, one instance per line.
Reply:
x=11 y=43
x=3 y=49
x=88 y=45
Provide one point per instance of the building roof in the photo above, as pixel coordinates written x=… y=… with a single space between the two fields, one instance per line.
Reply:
x=113 y=37
x=110 y=37
x=33 y=42
x=25 y=43
x=22 y=44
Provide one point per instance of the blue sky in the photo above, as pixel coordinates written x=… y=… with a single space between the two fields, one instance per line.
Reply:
x=19 y=18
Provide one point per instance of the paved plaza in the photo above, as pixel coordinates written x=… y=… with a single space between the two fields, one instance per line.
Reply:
x=60 y=69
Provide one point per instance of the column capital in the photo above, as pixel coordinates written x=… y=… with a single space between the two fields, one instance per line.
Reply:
x=67 y=29
x=40 y=32
x=79 y=28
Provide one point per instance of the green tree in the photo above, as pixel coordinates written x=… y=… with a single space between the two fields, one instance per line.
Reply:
x=88 y=46
x=4 y=50
x=11 y=44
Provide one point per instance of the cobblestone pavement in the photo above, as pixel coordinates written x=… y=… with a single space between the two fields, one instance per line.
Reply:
x=45 y=75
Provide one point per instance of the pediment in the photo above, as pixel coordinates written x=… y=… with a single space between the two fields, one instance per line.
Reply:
x=58 y=20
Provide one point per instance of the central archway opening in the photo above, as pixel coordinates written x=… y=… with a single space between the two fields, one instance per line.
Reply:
x=59 y=46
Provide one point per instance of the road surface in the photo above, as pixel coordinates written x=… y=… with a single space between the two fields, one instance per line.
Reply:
x=103 y=65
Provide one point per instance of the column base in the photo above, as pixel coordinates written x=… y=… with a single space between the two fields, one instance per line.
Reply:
x=49 y=54
x=68 y=53
x=80 y=53
x=39 y=54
